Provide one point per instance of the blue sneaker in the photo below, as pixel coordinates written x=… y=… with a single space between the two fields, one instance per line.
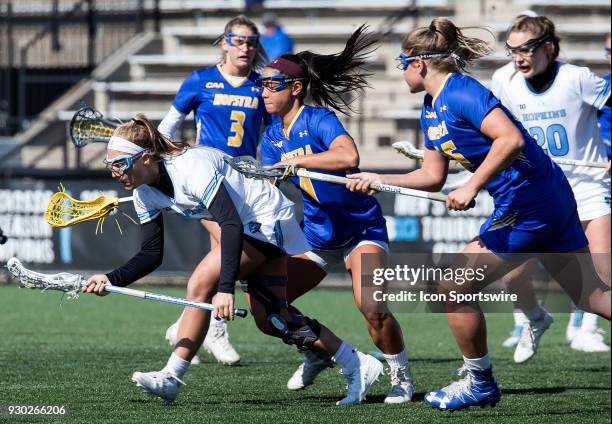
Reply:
x=477 y=388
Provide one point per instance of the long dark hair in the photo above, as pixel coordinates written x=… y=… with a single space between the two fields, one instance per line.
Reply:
x=330 y=77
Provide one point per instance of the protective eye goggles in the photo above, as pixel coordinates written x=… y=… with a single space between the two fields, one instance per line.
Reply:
x=527 y=48
x=276 y=82
x=122 y=164
x=405 y=60
x=236 y=40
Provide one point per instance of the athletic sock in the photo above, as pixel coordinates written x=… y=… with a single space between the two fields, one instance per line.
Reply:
x=534 y=314
x=346 y=356
x=589 y=323
x=397 y=360
x=483 y=363
x=519 y=317
x=176 y=366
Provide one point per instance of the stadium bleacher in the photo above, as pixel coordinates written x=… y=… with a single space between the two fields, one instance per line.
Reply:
x=145 y=76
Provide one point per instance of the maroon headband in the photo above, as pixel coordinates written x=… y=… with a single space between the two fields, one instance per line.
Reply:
x=288 y=67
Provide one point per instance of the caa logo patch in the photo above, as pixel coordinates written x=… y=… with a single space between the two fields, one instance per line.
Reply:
x=212 y=84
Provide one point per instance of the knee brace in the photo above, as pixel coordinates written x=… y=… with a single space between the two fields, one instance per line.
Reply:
x=300 y=331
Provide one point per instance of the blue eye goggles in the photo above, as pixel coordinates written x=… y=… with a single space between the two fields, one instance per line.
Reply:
x=276 y=82
x=122 y=164
x=236 y=40
x=405 y=60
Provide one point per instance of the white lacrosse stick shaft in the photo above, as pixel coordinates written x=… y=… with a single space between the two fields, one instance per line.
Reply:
x=379 y=187
x=408 y=149
x=164 y=298
x=63 y=280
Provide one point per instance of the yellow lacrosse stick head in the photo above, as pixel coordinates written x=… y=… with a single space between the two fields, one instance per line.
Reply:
x=65 y=211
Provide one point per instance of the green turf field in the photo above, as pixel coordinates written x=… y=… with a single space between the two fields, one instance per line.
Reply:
x=83 y=354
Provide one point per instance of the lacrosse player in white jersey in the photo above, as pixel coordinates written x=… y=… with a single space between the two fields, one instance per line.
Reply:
x=217 y=126
x=258 y=232
x=558 y=104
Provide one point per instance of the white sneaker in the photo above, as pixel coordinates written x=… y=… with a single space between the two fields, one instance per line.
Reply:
x=159 y=383
x=217 y=343
x=171 y=336
x=401 y=385
x=573 y=325
x=530 y=338
x=514 y=338
x=360 y=379
x=308 y=370
x=589 y=341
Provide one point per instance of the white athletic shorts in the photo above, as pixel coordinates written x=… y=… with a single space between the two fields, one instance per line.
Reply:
x=326 y=258
x=283 y=231
x=592 y=198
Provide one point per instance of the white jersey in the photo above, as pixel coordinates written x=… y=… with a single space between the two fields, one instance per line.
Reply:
x=563 y=120
x=196 y=177
x=501 y=77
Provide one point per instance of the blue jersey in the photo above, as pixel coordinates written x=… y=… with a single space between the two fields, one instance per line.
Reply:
x=525 y=193
x=333 y=216
x=227 y=116
x=603 y=118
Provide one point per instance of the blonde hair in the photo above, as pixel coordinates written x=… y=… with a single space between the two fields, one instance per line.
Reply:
x=140 y=131
x=443 y=36
x=538 y=26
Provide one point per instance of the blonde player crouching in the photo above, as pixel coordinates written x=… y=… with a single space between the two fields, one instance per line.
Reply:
x=258 y=232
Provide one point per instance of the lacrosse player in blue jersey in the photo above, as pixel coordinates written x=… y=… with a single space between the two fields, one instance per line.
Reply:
x=229 y=115
x=462 y=120
x=339 y=225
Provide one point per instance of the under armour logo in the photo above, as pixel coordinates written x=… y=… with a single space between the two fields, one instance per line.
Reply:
x=254 y=227
x=279 y=144
x=443 y=108
x=303 y=133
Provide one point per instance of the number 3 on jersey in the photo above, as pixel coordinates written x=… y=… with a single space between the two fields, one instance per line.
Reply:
x=237 y=117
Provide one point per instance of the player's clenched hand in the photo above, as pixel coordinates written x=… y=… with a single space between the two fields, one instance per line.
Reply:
x=96 y=284
x=362 y=181
x=224 y=306
x=461 y=199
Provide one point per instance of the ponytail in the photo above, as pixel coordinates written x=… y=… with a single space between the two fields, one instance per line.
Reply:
x=141 y=132
x=443 y=36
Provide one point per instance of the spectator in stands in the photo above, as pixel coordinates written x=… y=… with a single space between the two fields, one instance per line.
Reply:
x=253 y=7
x=603 y=117
x=275 y=40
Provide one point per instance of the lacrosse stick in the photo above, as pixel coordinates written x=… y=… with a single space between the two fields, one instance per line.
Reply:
x=247 y=166
x=409 y=150
x=89 y=126
x=72 y=283
x=65 y=211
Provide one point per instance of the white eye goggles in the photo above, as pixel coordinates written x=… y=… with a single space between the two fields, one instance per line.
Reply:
x=122 y=164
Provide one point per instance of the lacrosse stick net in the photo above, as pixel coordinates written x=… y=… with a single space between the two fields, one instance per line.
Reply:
x=89 y=126
x=64 y=281
x=64 y=211
x=249 y=167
